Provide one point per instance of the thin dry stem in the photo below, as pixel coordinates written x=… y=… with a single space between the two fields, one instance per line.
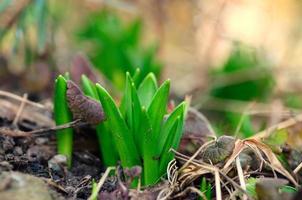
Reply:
x=241 y=176
x=193 y=189
x=217 y=185
x=298 y=168
x=18 y=133
x=102 y=181
x=244 y=114
x=282 y=125
x=20 y=110
x=18 y=98
x=196 y=154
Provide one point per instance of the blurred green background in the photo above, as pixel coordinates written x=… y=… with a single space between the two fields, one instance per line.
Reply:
x=236 y=59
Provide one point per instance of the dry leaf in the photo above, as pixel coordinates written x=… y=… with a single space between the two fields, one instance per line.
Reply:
x=83 y=107
x=197 y=131
x=81 y=65
x=273 y=160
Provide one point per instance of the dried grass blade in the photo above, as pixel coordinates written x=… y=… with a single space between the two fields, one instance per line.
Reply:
x=274 y=162
x=239 y=146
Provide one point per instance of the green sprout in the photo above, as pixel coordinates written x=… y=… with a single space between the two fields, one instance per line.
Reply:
x=63 y=115
x=112 y=42
x=141 y=132
x=138 y=132
x=245 y=76
x=94 y=191
x=102 y=129
x=206 y=189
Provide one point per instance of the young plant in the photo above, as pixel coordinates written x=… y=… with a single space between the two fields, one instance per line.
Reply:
x=103 y=132
x=118 y=44
x=205 y=188
x=245 y=76
x=63 y=115
x=142 y=132
x=94 y=191
x=138 y=132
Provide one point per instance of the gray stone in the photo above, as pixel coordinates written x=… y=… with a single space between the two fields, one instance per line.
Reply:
x=18 y=151
x=19 y=186
x=57 y=163
x=41 y=140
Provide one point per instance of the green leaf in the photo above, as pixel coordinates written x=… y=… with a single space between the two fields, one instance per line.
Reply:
x=4 y=5
x=137 y=119
x=166 y=155
x=205 y=188
x=251 y=187
x=126 y=104
x=104 y=134
x=41 y=15
x=209 y=192
x=171 y=120
x=136 y=76
x=288 y=189
x=174 y=135
x=126 y=100
x=158 y=108
x=122 y=136
x=107 y=144
x=132 y=33
x=141 y=127
x=88 y=87
x=67 y=76
x=277 y=138
x=147 y=89
x=246 y=127
x=94 y=191
x=63 y=115
x=156 y=111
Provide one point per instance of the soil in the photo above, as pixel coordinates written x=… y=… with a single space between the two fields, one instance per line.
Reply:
x=33 y=155
x=34 y=158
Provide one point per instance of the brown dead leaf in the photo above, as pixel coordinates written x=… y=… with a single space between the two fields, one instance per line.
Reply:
x=273 y=160
x=83 y=107
x=81 y=65
x=197 y=131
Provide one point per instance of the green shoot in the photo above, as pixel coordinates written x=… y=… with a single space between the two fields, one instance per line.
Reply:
x=94 y=191
x=103 y=133
x=63 y=115
x=139 y=131
x=206 y=189
x=121 y=133
x=106 y=32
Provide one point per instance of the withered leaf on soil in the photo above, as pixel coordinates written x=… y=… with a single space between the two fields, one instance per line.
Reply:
x=219 y=150
x=81 y=65
x=197 y=131
x=269 y=188
x=83 y=107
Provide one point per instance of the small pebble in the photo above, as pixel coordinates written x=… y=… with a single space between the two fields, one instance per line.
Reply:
x=69 y=189
x=9 y=156
x=18 y=151
x=38 y=153
x=41 y=140
x=5 y=166
x=8 y=144
x=57 y=163
x=59 y=159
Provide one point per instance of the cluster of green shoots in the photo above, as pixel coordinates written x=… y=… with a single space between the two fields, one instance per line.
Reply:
x=116 y=43
x=138 y=132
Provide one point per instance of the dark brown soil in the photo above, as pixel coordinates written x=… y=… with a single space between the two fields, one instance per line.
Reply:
x=32 y=155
